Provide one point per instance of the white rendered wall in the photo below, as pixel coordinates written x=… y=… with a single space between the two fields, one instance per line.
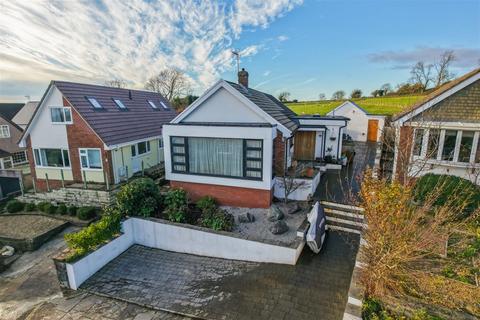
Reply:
x=303 y=193
x=419 y=168
x=267 y=134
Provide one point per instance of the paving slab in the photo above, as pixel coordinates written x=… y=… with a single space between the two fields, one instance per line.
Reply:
x=211 y=288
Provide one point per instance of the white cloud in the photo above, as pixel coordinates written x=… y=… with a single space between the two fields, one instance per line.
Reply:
x=96 y=41
x=282 y=38
x=267 y=73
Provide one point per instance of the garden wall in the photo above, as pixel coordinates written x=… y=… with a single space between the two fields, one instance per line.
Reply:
x=306 y=188
x=166 y=235
x=72 y=196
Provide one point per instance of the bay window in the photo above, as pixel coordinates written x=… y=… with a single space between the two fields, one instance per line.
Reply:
x=61 y=115
x=449 y=145
x=433 y=142
x=223 y=157
x=90 y=158
x=466 y=144
x=418 y=142
x=52 y=158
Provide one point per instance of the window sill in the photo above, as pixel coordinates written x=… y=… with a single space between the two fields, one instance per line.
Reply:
x=60 y=123
x=92 y=169
x=59 y=168
x=141 y=155
x=216 y=176
x=449 y=163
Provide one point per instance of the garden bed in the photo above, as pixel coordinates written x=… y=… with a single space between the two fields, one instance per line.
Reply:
x=27 y=232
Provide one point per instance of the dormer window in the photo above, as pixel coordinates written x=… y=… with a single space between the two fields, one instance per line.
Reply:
x=163 y=105
x=119 y=104
x=153 y=105
x=61 y=115
x=94 y=103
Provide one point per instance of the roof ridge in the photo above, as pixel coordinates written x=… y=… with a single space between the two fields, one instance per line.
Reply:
x=103 y=86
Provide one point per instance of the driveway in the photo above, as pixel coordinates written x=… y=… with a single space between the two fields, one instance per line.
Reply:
x=343 y=185
x=211 y=288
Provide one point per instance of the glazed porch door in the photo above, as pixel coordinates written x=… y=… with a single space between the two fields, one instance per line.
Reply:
x=304 y=148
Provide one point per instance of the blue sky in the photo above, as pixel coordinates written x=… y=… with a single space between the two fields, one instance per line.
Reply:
x=304 y=47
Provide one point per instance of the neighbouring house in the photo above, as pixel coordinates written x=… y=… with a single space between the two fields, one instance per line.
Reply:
x=91 y=133
x=11 y=155
x=441 y=133
x=22 y=118
x=234 y=141
x=362 y=126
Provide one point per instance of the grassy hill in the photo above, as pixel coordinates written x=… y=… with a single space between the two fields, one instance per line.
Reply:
x=381 y=105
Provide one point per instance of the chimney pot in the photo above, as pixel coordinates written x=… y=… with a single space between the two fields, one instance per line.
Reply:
x=243 y=78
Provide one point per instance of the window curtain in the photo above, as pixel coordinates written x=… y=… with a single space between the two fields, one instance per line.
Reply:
x=216 y=156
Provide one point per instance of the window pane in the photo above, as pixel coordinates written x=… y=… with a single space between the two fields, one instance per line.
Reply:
x=254 y=154
x=417 y=147
x=119 y=104
x=37 y=157
x=180 y=140
x=7 y=163
x=4 y=131
x=68 y=115
x=19 y=157
x=148 y=146
x=142 y=148
x=254 y=174
x=179 y=167
x=84 y=161
x=66 y=159
x=134 y=152
x=254 y=164
x=152 y=104
x=94 y=159
x=477 y=154
x=254 y=143
x=95 y=103
x=180 y=159
x=52 y=157
x=433 y=140
x=216 y=156
x=449 y=145
x=160 y=143
x=57 y=114
x=178 y=149
x=466 y=146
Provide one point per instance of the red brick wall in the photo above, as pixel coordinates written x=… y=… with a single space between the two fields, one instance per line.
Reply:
x=279 y=154
x=228 y=196
x=404 y=152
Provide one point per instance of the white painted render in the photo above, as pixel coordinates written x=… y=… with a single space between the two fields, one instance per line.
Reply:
x=304 y=192
x=357 y=127
x=222 y=106
x=267 y=134
x=330 y=130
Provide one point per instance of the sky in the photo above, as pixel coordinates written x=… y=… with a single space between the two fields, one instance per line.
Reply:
x=303 y=47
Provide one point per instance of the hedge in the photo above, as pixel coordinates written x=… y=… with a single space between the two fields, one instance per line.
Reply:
x=140 y=197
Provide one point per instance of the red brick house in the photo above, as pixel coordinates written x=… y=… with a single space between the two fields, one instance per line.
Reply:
x=233 y=141
x=441 y=134
x=82 y=132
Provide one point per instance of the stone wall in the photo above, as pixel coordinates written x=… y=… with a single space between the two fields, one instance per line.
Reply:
x=72 y=196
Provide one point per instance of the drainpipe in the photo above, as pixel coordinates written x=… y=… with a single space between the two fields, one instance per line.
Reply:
x=339 y=137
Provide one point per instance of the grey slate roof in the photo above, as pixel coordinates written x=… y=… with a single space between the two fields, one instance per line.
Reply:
x=113 y=125
x=270 y=105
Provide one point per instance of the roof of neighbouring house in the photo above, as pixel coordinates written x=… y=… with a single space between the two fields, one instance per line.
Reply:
x=270 y=105
x=4 y=153
x=22 y=118
x=436 y=93
x=112 y=124
x=9 y=110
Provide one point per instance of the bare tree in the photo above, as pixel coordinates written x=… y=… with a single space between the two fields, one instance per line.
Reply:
x=442 y=66
x=284 y=96
x=386 y=89
x=421 y=73
x=290 y=180
x=116 y=83
x=356 y=93
x=321 y=96
x=170 y=83
x=338 y=95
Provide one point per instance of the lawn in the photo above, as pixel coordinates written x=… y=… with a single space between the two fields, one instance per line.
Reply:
x=380 y=105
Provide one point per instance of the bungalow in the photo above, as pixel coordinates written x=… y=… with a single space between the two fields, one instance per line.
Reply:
x=82 y=132
x=441 y=133
x=233 y=141
x=363 y=126
x=11 y=155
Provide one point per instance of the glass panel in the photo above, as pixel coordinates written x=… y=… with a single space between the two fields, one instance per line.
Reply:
x=142 y=148
x=179 y=167
x=94 y=159
x=216 y=156
x=417 y=147
x=68 y=115
x=449 y=145
x=254 y=154
x=66 y=159
x=37 y=157
x=95 y=103
x=179 y=149
x=180 y=159
x=148 y=146
x=160 y=143
x=477 y=154
x=254 y=174
x=466 y=145
x=254 y=164
x=19 y=157
x=84 y=161
x=57 y=114
x=52 y=157
x=152 y=104
x=120 y=104
x=433 y=140
x=133 y=150
x=254 y=143
x=180 y=140
x=7 y=163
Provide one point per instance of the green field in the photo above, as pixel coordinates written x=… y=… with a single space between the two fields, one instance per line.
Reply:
x=380 y=105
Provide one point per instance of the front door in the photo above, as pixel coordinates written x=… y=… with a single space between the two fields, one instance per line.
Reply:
x=372 y=130
x=304 y=147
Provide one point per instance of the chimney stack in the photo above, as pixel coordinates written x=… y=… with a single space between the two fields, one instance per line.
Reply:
x=243 y=78
x=130 y=94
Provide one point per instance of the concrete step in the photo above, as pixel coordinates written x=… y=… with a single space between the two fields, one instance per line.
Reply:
x=342 y=225
x=341 y=207
x=346 y=223
x=344 y=215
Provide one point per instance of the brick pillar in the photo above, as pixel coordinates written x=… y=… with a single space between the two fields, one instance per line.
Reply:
x=279 y=154
x=404 y=152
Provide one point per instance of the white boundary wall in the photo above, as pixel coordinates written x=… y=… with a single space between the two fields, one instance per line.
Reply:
x=172 y=237
x=303 y=192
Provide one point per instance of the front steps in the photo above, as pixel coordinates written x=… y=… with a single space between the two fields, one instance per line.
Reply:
x=344 y=217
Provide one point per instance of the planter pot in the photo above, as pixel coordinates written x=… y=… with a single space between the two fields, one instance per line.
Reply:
x=309 y=172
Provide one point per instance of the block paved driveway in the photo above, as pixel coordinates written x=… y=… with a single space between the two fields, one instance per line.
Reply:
x=211 y=288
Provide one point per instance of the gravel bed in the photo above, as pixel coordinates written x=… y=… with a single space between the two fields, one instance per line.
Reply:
x=26 y=226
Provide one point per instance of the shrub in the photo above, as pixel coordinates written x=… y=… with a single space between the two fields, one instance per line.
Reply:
x=139 y=197
x=30 y=207
x=42 y=206
x=51 y=209
x=217 y=219
x=447 y=189
x=89 y=238
x=72 y=210
x=176 y=203
x=62 y=209
x=207 y=203
x=85 y=213
x=15 y=206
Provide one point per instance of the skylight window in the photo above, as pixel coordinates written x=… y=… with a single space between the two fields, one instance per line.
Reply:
x=163 y=105
x=119 y=103
x=150 y=102
x=94 y=103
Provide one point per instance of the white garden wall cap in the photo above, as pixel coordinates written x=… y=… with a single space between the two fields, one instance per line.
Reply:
x=224 y=124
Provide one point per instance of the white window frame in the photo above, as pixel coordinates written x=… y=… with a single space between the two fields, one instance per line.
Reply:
x=88 y=161
x=152 y=104
x=5 y=128
x=19 y=163
x=161 y=145
x=51 y=167
x=64 y=109
x=94 y=102
x=148 y=146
